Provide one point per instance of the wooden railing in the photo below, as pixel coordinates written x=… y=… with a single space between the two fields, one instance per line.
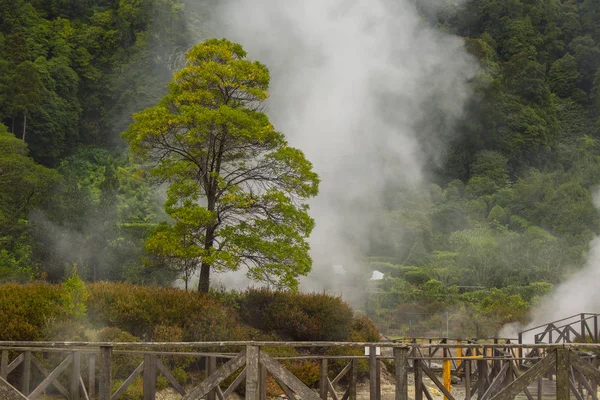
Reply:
x=29 y=370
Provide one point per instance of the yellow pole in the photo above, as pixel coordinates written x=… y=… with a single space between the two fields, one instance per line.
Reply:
x=446 y=376
x=458 y=354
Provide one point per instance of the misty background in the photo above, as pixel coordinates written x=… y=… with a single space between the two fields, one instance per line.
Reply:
x=354 y=85
x=456 y=140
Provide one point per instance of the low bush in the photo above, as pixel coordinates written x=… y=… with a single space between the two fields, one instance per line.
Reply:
x=26 y=311
x=294 y=316
x=190 y=316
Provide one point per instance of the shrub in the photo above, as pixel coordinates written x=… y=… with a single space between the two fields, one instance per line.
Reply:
x=297 y=316
x=74 y=295
x=27 y=310
x=364 y=330
x=138 y=309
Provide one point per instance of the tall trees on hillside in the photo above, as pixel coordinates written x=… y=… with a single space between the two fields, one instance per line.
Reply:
x=23 y=186
x=237 y=190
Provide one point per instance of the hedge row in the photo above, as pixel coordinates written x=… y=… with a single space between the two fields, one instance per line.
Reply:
x=294 y=316
x=38 y=311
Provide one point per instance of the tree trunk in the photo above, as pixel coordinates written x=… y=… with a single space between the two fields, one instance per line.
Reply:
x=204 y=282
x=24 y=125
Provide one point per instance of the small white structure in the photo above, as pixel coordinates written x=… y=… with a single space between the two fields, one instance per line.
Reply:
x=377 y=276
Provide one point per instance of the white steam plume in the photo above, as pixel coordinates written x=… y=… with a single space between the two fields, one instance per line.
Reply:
x=368 y=91
x=578 y=294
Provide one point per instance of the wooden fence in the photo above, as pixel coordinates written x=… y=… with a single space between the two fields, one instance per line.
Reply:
x=76 y=371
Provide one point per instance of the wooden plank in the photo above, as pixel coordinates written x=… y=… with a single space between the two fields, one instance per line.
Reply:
x=105 y=366
x=342 y=373
x=26 y=377
x=467 y=378
x=219 y=392
x=75 y=375
x=323 y=378
x=401 y=364
x=136 y=372
x=418 y=379
x=149 y=377
x=92 y=375
x=45 y=372
x=51 y=377
x=8 y=391
x=4 y=365
x=262 y=382
x=574 y=389
x=219 y=376
x=437 y=382
x=481 y=378
x=591 y=390
x=515 y=387
x=378 y=379
x=331 y=390
x=83 y=390
x=515 y=372
x=236 y=382
x=286 y=389
x=170 y=377
x=279 y=372
x=562 y=374
x=372 y=373
x=426 y=391
x=588 y=370
x=15 y=363
x=252 y=374
x=353 y=380
x=211 y=368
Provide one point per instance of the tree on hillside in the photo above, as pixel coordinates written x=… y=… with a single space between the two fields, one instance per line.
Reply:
x=236 y=191
x=24 y=184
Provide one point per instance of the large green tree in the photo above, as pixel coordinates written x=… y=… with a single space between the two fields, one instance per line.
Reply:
x=237 y=190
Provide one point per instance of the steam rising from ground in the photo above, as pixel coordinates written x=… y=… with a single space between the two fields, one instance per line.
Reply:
x=577 y=294
x=368 y=92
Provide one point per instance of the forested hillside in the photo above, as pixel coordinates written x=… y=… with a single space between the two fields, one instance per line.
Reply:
x=72 y=73
x=512 y=211
x=509 y=215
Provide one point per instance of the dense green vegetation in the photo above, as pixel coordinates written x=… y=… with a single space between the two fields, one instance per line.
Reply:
x=511 y=212
x=120 y=312
x=508 y=216
x=209 y=140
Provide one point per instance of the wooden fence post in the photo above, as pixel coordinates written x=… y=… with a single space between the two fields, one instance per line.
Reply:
x=353 y=380
x=373 y=373
x=418 y=379
x=323 y=376
x=252 y=366
x=4 y=364
x=263 y=382
x=105 y=372
x=149 y=376
x=401 y=362
x=211 y=368
x=467 y=376
x=92 y=376
x=562 y=374
x=482 y=367
x=75 y=373
x=26 y=378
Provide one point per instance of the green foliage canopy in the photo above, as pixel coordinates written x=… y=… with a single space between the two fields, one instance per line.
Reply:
x=236 y=188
